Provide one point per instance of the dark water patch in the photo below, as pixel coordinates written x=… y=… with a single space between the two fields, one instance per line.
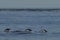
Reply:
x=21 y=34
x=56 y=33
x=29 y=9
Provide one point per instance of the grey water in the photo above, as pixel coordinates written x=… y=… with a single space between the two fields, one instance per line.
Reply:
x=20 y=20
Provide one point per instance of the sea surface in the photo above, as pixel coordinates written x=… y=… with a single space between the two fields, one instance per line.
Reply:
x=21 y=20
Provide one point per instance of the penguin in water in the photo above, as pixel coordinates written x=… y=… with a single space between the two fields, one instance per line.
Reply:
x=7 y=30
x=43 y=30
x=28 y=30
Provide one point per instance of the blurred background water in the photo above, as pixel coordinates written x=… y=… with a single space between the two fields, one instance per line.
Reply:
x=20 y=20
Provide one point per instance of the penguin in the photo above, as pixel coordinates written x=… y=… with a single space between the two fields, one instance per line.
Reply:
x=28 y=30
x=43 y=30
x=7 y=30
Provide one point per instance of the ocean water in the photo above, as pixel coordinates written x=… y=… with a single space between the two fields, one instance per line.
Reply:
x=20 y=20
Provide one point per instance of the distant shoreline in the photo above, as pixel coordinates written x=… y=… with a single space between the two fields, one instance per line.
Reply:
x=30 y=9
